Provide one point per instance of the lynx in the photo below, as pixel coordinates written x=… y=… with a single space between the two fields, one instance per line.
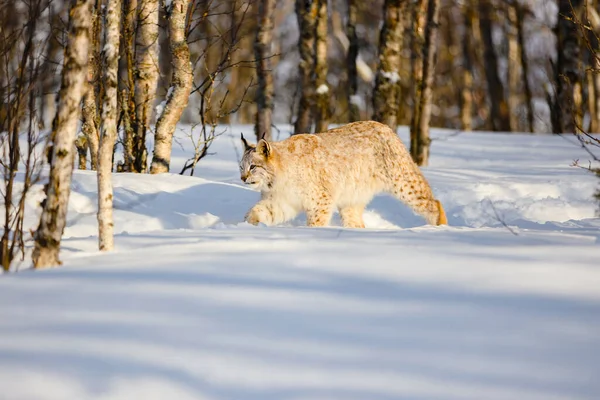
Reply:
x=341 y=168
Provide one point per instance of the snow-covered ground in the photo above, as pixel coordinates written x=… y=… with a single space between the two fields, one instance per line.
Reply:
x=196 y=304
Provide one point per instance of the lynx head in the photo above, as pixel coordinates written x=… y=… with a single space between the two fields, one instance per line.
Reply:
x=256 y=167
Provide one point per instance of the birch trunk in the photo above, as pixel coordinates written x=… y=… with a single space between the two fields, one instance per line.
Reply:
x=322 y=89
x=419 y=9
x=306 y=11
x=90 y=109
x=179 y=92
x=127 y=94
x=385 y=94
x=147 y=78
x=262 y=46
x=524 y=67
x=421 y=152
x=466 y=104
x=513 y=77
x=567 y=64
x=495 y=88
x=62 y=153
x=354 y=111
x=594 y=73
x=109 y=125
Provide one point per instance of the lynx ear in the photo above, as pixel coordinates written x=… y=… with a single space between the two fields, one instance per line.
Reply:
x=246 y=145
x=264 y=148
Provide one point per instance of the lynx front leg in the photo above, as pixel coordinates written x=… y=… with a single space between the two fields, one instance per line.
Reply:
x=269 y=213
x=352 y=217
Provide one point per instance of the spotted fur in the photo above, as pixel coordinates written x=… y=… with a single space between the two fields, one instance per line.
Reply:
x=342 y=168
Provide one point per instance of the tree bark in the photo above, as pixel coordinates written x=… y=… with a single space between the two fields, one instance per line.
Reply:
x=420 y=152
x=351 y=56
x=127 y=94
x=513 y=70
x=109 y=125
x=179 y=92
x=466 y=95
x=569 y=75
x=499 y=107
x=322 y=89
x=387 y=86
x=147 y=77
x=90 y=109
x=524 y=66
x=306 y=11
x=419 y=9
x=262 y=46
x=62 y=152
x=593 y=16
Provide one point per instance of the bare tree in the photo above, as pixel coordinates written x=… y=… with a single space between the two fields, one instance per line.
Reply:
x=568 y=72
x=306 y=11
x=418 y=11
x=521 y=11
x=127 y=93
x=109 y=125
x=513 y=70
x=61 y=153
x=264 y=94
x=351 y=56
x=181 y=85
x=322 y=93
x=499 y=107
x=466 y=104
x=420 y=152
x=387 y=88
x=21 y=67
x=147 y=77
x=90 y=109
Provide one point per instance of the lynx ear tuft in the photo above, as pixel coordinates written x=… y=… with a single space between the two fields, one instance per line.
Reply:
x=246 y=145
x=264 y=148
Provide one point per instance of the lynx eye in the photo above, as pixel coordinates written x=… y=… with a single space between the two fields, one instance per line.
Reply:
x=252 y=167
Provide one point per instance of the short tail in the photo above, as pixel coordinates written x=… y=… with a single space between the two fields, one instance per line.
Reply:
x=442 y=220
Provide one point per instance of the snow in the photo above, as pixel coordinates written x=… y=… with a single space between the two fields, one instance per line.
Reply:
x=357 y=100
x=195 y=304
x=392 y=76
x=322 y=89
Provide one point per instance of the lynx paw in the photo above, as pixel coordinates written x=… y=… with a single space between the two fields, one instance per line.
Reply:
x=258 y=215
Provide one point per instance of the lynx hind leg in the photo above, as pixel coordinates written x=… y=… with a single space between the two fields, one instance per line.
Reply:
x=352 y=216
x=320 y=213
x=414 y=191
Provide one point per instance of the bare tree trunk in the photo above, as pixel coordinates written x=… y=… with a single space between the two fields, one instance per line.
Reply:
x=262 y=46
x=417 y=42
x=569 y=75
x=421 y=152
x=147 y=80
x=82 y=149
x=354 y=111
x=90 y=111
x=179 y=92
x=593 y=17
x=62 y=154
x=524 y=66
x=322 y=89
x=387 y=87
x=306 y=11
x=499 y=107
x=466 y=104
x=127 y=94
x=513 y=70
x=109 y=125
